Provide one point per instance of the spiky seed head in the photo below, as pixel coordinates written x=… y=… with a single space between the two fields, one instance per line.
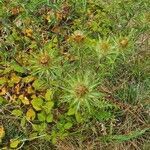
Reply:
x=81 y=90
x=78 y=36
x=45 y=60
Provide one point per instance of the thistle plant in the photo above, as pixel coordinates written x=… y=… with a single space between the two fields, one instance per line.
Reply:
x=81 y=93
x=71 y=69
x=124 y=43
x=45 y=64
x=103 y=47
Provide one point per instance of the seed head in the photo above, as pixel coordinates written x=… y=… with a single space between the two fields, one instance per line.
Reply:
x=45 y=60
x=78 y=36
x=81 y=90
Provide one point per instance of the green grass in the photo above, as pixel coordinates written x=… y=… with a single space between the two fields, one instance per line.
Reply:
x=74 y=74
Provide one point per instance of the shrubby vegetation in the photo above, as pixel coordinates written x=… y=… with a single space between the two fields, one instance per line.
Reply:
x=74 y=74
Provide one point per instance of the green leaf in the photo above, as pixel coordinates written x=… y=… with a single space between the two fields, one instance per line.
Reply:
x=54 y=137
x=55 y=40
x=23 y=122
x=14 y=143
x=2 y=100
x=48 y=95
x=38 y=84
x=37 y=103
x=35 y=127
x=41 y=116
x=39 y=127
x=78 y=117
x=103 y=115
x=49 y=118
x=17 y=112
x=68 y=125
x=7 y=70
x=48 y=106
x=2 y=80
x=71 y=111
x=18 y=68
x=127 y=137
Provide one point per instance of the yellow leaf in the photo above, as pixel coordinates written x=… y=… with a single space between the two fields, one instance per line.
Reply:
x=14 y=97
x=24 y=100
x=28 y=32
x=2 y=133
x=28 y=79
x=30 y=115
x=30 y=90
x=17 y=89
x=15 y=78
x=14 y=143
x=3 y=91
x=33 y=96
x=48 y=18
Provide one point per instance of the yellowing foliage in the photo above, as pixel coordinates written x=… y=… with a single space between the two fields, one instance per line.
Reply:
x=30 y=115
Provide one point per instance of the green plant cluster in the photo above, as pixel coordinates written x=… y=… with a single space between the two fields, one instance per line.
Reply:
x=74 y=69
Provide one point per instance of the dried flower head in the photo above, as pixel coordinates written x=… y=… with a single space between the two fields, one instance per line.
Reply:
x=78 y=36
x=124 y=43
x=45 y=60
x=81 y=90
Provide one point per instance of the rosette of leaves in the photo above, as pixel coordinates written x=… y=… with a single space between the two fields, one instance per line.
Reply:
x=81 y=93
x=45 y=64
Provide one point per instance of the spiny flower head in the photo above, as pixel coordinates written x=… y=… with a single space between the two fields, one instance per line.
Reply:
x=45 y=60
x=78 y=36
x=81 y=90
